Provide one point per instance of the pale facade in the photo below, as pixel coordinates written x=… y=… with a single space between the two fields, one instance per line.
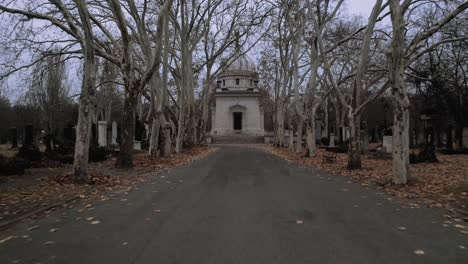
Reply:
x=237 y=108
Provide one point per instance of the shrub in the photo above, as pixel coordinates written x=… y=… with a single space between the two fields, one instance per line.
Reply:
x=325 y=141
x=12 y=166
x=97 y=154
x=30 y=153
x=463 y=151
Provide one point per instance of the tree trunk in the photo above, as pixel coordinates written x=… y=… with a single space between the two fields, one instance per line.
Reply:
x=300 y=128
x=87 y=98
x=291 y=137
x=280 y=125
x=400 y=98
x=180 y=125
x=154 y=140
x=83 y=135
x=125 y=158
x=310 y=138
x=166 y=138
x=354 y=152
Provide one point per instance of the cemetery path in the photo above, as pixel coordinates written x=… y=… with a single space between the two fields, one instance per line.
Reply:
x=240 y=205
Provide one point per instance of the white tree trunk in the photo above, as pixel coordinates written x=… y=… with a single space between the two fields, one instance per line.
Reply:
x=310 y=137
x=400 y=98
x=87 y=98
x=280 y=125
x=300 y=128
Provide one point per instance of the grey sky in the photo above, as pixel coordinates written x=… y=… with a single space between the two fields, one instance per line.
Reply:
x=360 y=7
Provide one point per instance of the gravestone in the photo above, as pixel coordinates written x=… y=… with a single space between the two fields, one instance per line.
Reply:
x=114 y=134
x=14 y=137
x=102 y=133
x=388 y=144
x=331 y=144
x=136 y=145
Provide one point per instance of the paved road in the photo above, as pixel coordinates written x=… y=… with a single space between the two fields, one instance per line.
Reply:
x=241 y=205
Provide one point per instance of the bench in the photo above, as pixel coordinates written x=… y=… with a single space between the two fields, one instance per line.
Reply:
x=329 y=157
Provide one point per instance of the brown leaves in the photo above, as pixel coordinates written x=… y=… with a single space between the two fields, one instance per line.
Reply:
x=442 y=185
x=48 y=188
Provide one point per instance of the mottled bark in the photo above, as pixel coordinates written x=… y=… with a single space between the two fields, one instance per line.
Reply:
x=400 y=98
x=125 y=158
x=87 y=98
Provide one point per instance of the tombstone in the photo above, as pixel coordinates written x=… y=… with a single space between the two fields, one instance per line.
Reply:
x=331 y=144
x=388 y=144
x=136 y=145
x=14 y=137
x=102 y=133
x=28 y=135
x=114 y=134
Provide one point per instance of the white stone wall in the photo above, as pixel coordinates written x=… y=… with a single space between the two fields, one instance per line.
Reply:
x=252 y=117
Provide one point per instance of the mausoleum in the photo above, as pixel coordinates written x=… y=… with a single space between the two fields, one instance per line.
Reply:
x=237 y=108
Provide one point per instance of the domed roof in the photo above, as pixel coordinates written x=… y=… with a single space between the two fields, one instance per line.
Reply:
x=243 y=63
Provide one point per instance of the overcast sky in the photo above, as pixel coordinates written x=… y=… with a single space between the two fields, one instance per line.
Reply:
x=360 y=7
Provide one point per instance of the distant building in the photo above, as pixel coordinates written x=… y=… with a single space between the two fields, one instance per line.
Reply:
x=237 y=109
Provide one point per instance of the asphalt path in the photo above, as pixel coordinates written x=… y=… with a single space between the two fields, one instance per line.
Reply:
x=240 y=205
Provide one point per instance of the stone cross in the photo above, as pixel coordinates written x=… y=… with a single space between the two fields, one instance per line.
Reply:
x=102 y=133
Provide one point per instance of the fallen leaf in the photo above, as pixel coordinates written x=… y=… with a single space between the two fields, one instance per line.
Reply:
x=95 y=222
x=53 y=230
x=419 y=252
x=299 y=222
x=402 y=228
x=33 y=227
x=7 y=239
x=49 y=243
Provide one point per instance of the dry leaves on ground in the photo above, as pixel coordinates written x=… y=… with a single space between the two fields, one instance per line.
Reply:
x=443 y=184
x=51 y=189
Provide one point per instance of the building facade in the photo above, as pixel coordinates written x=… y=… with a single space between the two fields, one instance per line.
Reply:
x=237 y=108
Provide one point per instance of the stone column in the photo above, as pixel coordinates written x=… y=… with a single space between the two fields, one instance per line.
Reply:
x=102 y=133
x=114 y=134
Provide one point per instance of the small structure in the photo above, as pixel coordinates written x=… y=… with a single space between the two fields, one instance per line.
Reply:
x=237 y=108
